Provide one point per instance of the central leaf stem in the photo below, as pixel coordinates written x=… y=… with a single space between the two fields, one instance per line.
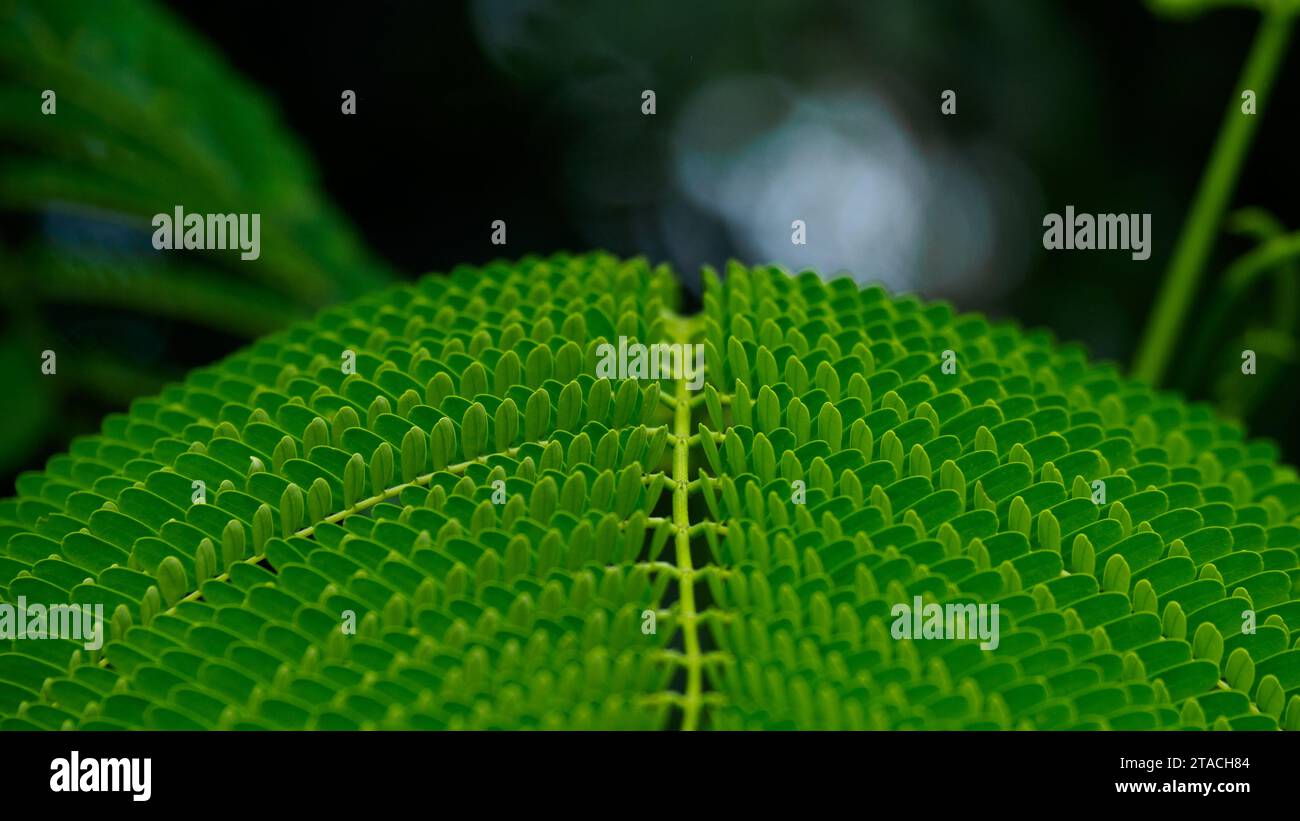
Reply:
x=693 y=697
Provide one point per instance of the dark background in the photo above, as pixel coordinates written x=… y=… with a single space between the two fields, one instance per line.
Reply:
x=531 y=112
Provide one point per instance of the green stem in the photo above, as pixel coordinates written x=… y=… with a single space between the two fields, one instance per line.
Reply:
x=360 y=506
x=1199 y=231
x=693 y=697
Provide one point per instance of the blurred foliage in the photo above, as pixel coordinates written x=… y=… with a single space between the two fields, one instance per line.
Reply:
x=1192 y=8
x=148 y=117
x=1252 y=306
x=1255 y=306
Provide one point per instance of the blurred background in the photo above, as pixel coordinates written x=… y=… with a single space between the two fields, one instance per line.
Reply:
x=530 y=111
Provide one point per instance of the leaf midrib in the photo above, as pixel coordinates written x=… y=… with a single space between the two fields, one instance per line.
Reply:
x=692 y=698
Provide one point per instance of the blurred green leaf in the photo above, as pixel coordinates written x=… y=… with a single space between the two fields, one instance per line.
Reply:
x=147 y=117
x=25 y=404
x=1193 y=8
x=150 y=117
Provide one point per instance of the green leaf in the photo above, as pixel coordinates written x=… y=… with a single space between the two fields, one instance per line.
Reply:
x=133 y=138
x=537 y=415
x=443 y=443
x=171 y=580
x=354 y=480
x=319 y=501
x=381 y=468
x=205 y=561
x=1239 y=671
x=292 y=508
x=503 y=580
x=1270 y=696
x=1207 y=643
x=263 y=526
x=414 y=448
x=507 y=424
x=474 y=431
